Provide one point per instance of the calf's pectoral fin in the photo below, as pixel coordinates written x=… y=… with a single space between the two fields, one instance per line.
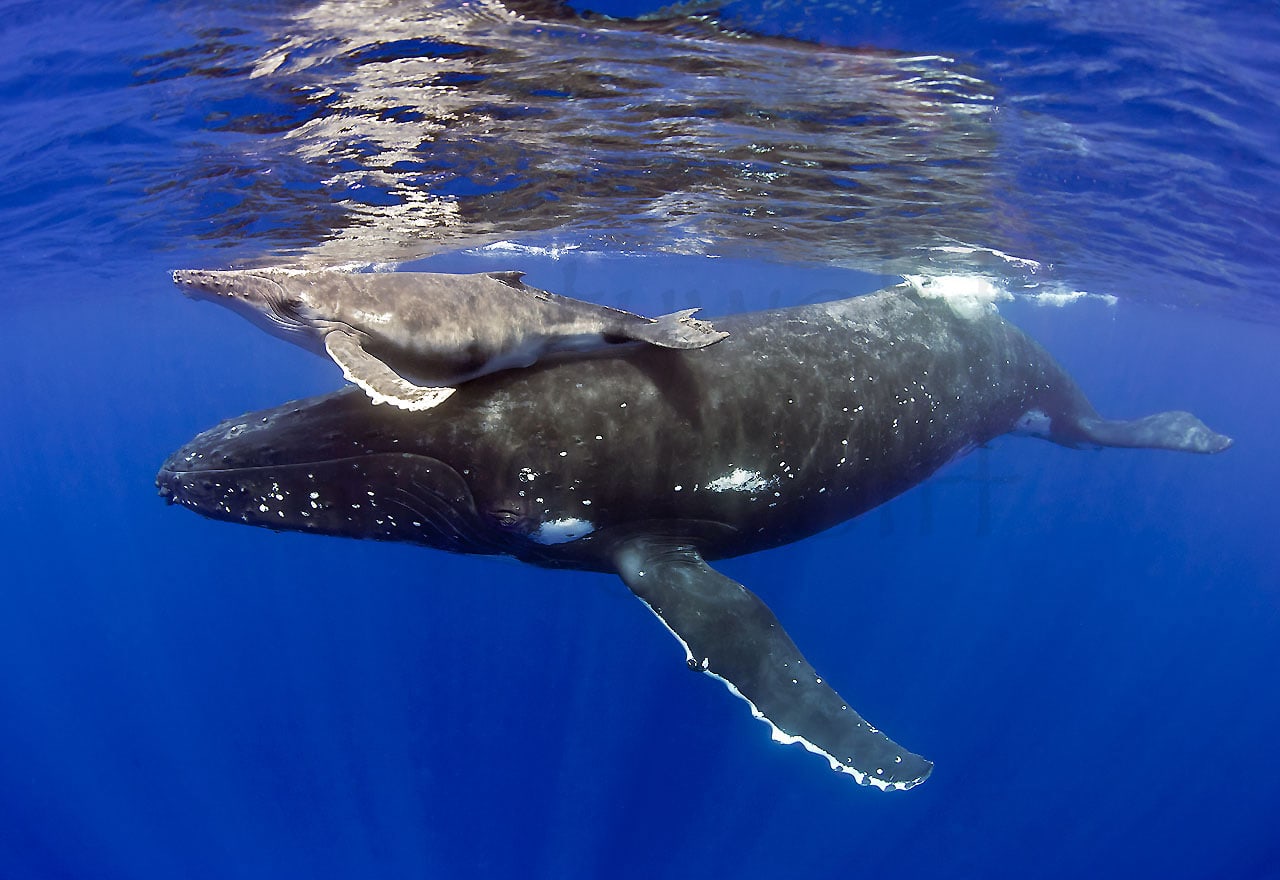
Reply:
x=376 y=379
x=676 y=330
x=729 y=633
x=1180 y=431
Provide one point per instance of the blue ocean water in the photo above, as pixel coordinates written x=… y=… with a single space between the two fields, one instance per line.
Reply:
x=1085 y=643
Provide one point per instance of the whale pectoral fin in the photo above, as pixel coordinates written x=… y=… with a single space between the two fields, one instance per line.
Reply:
x=676 y=330
x=1179 y=431
x=729 y=633
x=380 y=382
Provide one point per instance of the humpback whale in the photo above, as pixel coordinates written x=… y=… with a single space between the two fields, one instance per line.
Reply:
x=407 y=337
x=653 y=464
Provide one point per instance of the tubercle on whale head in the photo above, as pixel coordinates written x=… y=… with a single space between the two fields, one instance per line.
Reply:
x=387 y=497
x=255 y=295
x=289 y=469
x=219 y=286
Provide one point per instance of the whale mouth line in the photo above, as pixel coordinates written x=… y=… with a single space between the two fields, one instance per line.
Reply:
x=438 y=502
x=170 y=478
x=250 y=468
x=257 y=294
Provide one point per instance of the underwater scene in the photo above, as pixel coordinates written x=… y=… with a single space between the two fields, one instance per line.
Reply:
x=529 y=439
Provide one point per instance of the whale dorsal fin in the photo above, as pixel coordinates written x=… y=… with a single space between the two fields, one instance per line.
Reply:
x=677 y=330
x=511 y=279
x=729 y=633
x=379 y=381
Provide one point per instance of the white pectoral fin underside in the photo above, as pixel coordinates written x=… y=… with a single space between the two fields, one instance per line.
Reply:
x=376 y=379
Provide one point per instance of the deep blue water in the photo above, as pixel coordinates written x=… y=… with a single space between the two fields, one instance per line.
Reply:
x=1086 y=644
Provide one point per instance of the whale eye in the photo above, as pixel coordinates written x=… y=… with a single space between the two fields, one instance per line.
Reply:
x=508 y=519
x=511 y=520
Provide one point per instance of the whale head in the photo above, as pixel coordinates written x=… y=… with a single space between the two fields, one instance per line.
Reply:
x=261 y=298
x=317 y=466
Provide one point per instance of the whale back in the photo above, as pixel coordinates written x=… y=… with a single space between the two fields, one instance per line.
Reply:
x=800 y=419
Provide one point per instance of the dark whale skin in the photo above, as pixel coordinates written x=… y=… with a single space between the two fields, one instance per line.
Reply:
x=649 y=463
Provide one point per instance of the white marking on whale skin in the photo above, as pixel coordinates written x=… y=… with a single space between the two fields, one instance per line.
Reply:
x=1034 y=423
x=740 y=480
x=365 y=317
x=562 y=531
x=778 y=735
x=416 y=398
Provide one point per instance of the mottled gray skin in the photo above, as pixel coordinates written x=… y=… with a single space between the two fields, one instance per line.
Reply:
x=407 y=338
x=647 y=464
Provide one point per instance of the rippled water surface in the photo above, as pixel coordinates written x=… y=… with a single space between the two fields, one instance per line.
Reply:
x=1127 y=151
x=1084 y=643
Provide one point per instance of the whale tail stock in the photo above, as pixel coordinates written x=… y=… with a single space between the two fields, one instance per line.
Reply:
x=729 y=633
x=1176 y=430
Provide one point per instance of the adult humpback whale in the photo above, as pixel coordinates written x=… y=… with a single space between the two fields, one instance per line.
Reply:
x=650 y=463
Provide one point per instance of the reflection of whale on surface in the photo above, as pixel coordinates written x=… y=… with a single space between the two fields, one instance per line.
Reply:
x=649 y=463
x=391 y=332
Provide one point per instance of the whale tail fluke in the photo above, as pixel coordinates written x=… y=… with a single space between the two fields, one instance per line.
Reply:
x=1179 y=431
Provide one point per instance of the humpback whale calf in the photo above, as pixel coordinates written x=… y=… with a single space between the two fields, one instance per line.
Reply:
x=392 y=332
x=651 y=464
